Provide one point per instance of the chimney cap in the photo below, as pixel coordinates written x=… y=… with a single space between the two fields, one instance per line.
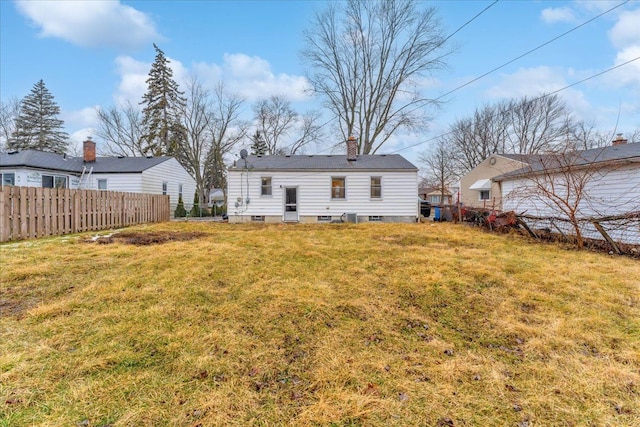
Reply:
x=619 y=140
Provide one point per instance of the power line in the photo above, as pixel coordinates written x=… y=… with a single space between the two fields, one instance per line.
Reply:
x=532 y=50
x=532 y=100
x=469 y=21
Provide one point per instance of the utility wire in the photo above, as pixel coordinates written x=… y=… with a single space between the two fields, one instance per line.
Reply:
x=532 y=100
x=469 y=21
x=531 y=51
x=514 y=59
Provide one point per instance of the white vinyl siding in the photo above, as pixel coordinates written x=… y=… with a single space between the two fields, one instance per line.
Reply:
x=125 y=182
x=314 y=195
x=174 y=174
x=609 y=193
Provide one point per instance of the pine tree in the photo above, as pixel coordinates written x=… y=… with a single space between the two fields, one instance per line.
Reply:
x=161 y=114
x=37 y=124
x=258 y=145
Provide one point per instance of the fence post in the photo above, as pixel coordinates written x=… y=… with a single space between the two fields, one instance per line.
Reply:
x=526 y=227
x=606 y=237
x=5 y=214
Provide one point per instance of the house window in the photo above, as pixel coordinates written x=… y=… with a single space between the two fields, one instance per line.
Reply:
x=376 y=187
x=8 y=179
x=434 y=200
x=257 y=218
x=484 y=195
x=164 y=188
x=102 y=184
x=338 y=187
x=266 y=186
x=324 y=218
x=179 y=190
x=53 y=181
x=375 y=218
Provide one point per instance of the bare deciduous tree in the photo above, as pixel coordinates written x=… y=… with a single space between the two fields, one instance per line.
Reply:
x=440 y=168
x=9 y=111
x=538 y=124
x=566 y=186
x=282 y=129
x=368 y=59
x=475 y=138
x=196 y=117
x=226 y=131
x=120 y=128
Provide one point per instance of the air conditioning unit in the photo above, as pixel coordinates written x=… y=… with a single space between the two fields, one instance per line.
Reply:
x=352 y=217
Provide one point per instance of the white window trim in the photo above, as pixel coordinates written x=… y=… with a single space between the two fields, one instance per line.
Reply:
x=106 y=182
x=54 y=177
x=165 y=188
x=262 y=186
x=375 y=199
x=331 y=188
x=480 y=195
x=2 y=175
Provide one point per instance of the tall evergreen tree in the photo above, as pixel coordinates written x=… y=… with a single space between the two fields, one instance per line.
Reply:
x=37 y=126
x=258 y=145
x=163 y=103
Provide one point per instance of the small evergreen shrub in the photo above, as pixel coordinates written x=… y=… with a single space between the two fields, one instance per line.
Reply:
x=180 y=211
x=195 y=209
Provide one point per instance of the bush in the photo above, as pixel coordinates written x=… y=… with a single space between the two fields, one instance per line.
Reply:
x=180 y=211
x=195 y=209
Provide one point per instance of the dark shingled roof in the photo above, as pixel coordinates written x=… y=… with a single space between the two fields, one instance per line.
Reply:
x=387 y=162
x=58 y=162
x=610 y=154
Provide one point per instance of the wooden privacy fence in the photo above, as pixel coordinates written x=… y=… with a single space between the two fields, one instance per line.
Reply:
x=30 y=212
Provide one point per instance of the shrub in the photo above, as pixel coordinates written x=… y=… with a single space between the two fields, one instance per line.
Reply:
x=180 y=211
x=195 y=209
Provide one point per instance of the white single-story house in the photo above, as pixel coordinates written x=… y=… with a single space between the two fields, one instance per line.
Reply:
x=607 y=180
x=149 y=175
x=323 y=188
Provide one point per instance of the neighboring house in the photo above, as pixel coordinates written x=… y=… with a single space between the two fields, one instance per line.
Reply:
x=433 y=195
x=323 y=188
x=150 y=175
x=477 y=188
x=608 y=180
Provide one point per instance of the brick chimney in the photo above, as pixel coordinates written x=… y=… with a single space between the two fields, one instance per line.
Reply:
x=89 y=150
x=619 y=140
x=352 y=149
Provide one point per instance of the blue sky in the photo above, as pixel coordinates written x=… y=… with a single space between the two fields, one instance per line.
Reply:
x=98 y=53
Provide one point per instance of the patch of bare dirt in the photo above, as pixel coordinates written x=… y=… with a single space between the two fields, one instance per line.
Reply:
x=147 y=238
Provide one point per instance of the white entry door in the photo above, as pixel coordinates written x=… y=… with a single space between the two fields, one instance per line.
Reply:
x=290 y=204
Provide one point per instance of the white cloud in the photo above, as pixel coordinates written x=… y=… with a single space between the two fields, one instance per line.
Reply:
x=81 y=118
x=533 y=82
x=551 y=15
x=627 y=75
x=626 y=31
x=249 y=77
x=252 y=78
x=91 y=23
x=133 y=77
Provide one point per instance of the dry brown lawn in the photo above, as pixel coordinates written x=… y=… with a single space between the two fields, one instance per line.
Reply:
x=192 y=324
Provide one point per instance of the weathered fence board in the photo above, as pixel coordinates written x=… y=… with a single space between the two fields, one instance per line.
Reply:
x=29 y=212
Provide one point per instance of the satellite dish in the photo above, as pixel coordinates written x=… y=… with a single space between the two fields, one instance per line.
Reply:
x=243 y=153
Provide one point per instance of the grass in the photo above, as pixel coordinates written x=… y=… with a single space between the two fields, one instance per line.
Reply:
x=323 y=325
